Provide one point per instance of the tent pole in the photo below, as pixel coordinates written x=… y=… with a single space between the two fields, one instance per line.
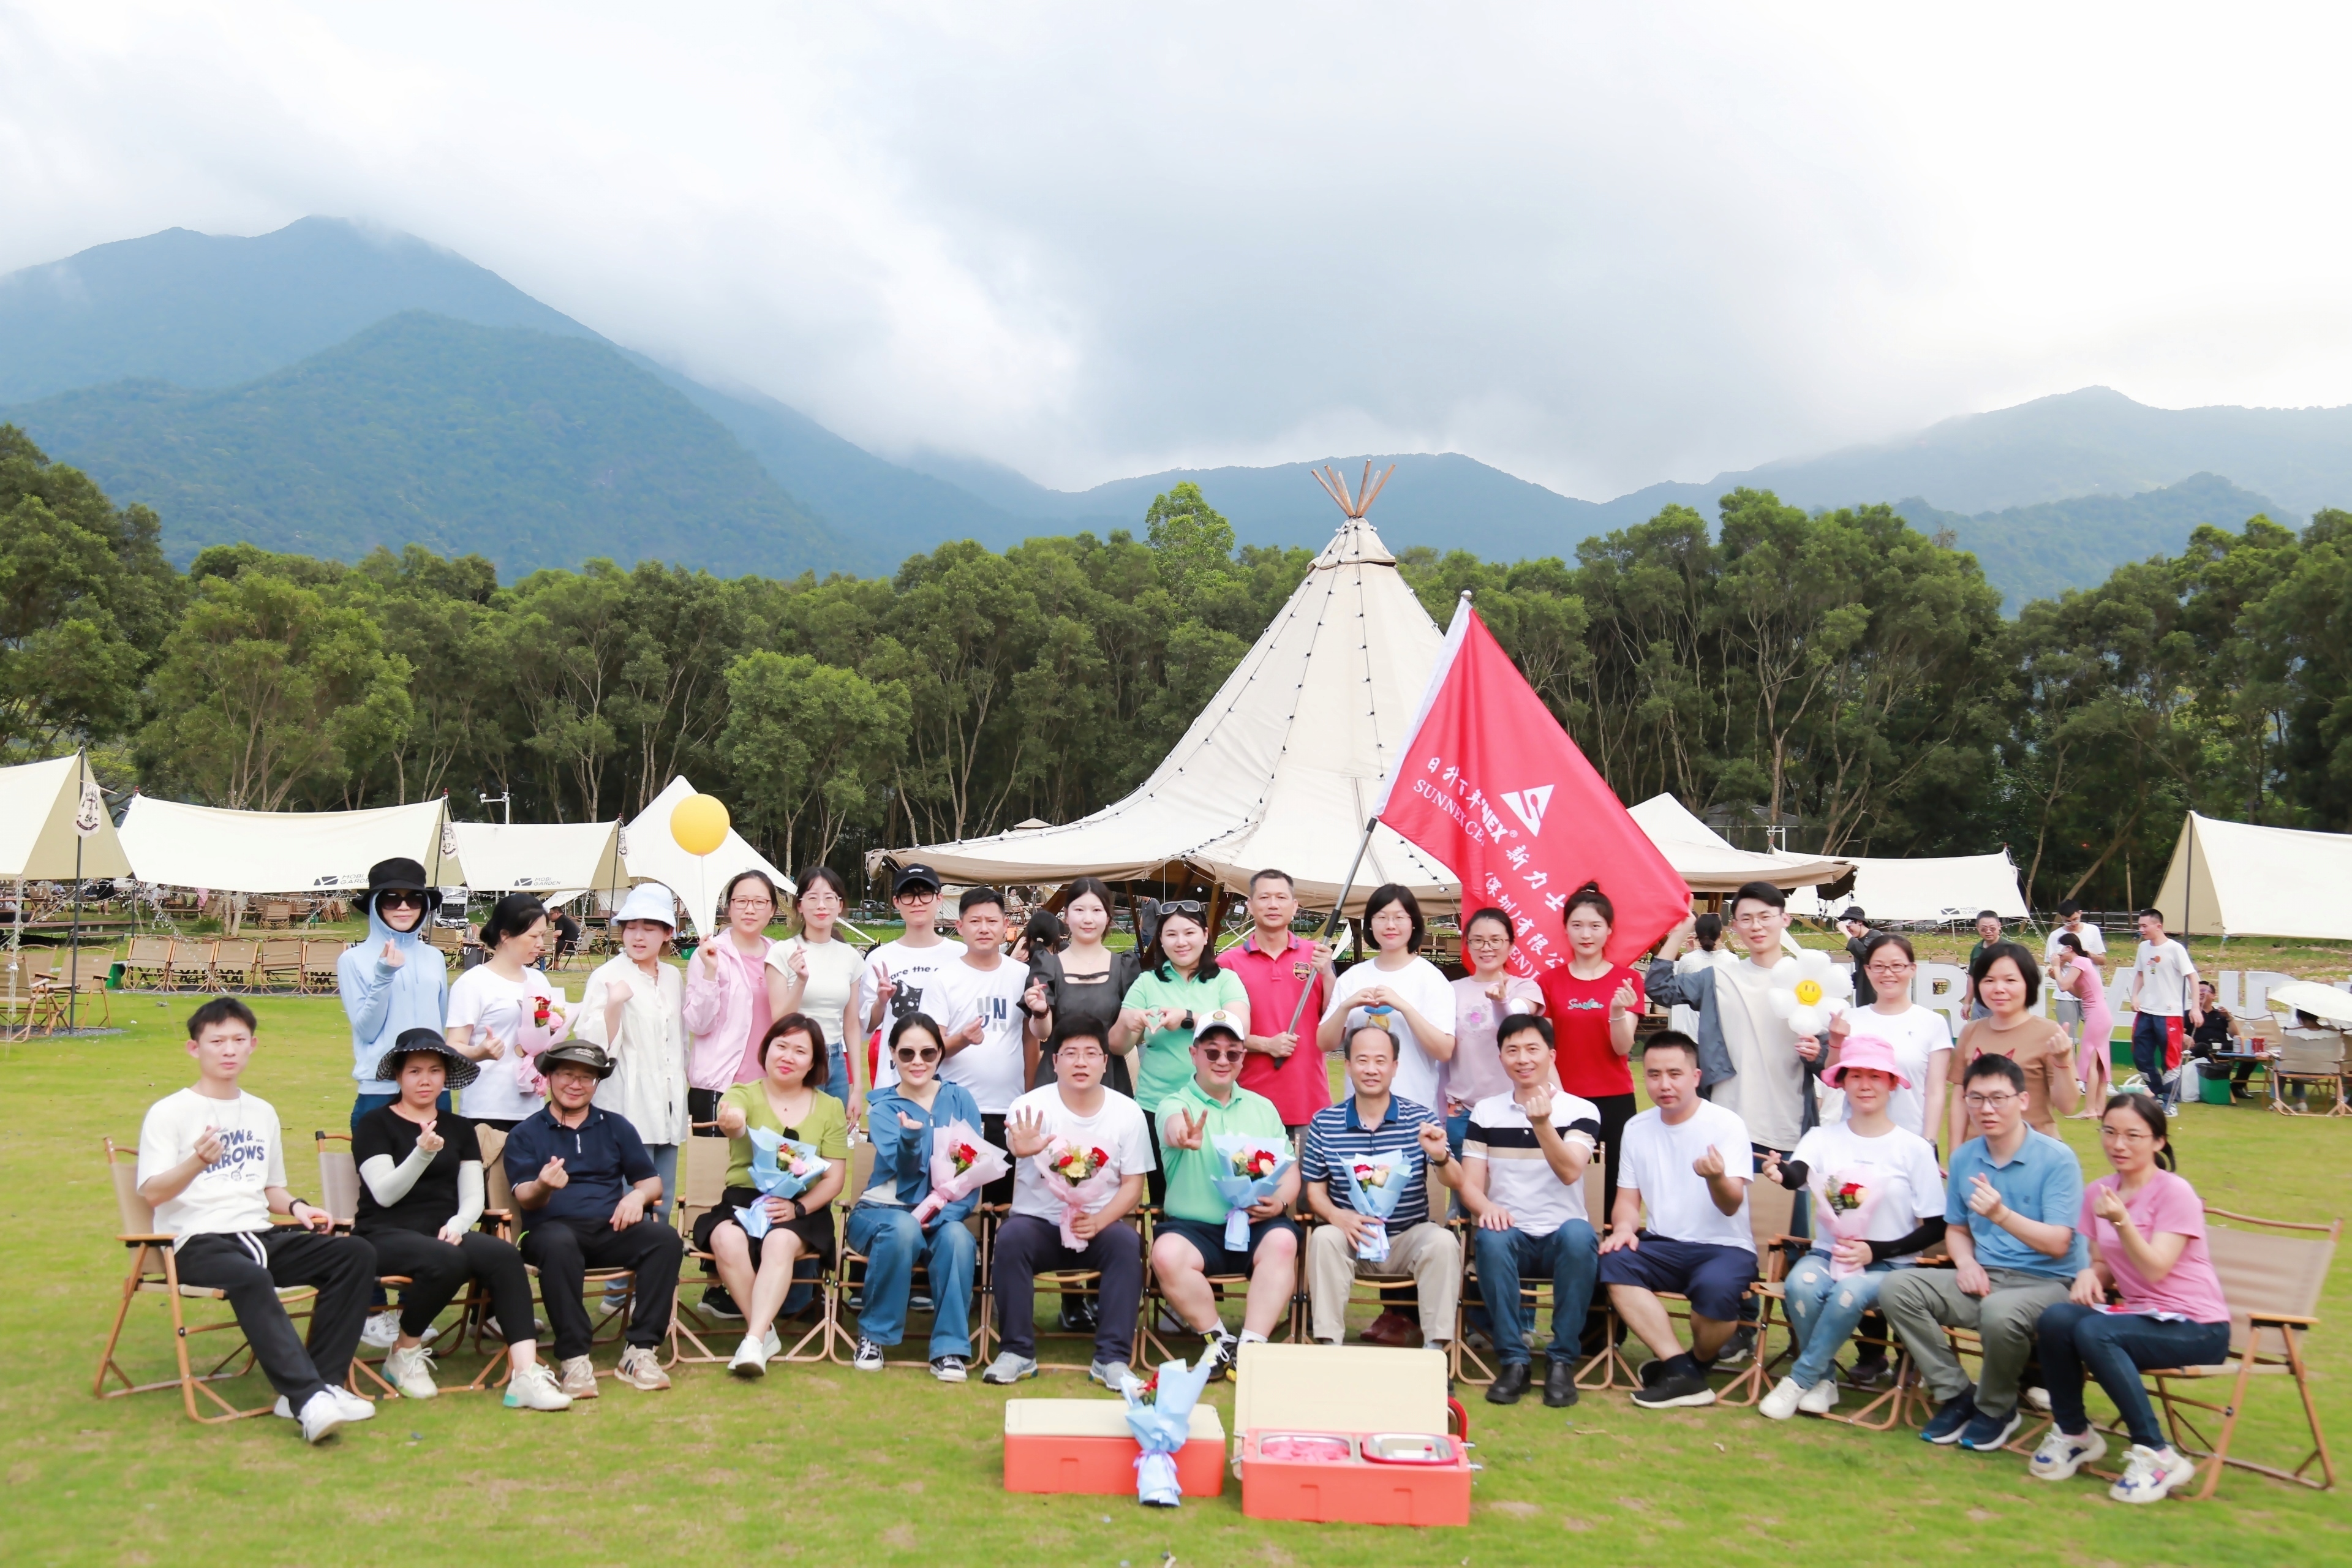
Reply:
x=1337 y=905
x=73 y=958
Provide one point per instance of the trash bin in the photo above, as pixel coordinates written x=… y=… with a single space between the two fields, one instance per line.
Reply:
x=2213 y=1083
x=114 y=975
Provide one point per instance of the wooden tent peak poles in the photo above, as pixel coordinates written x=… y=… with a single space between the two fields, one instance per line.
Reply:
x=1334 y=485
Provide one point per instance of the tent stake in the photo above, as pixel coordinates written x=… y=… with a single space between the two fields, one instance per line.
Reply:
x=1337 y=905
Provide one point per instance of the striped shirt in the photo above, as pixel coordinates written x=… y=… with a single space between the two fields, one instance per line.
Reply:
x=1335 y=1138
x=1518 y=1177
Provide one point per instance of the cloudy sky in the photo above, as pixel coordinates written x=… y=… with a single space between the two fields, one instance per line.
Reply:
x=1598 y=246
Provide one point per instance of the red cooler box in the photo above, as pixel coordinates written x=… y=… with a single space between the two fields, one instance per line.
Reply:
x=1083 y=1445
x=1355 y=1477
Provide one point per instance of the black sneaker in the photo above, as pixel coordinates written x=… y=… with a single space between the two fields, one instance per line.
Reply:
x=720 y=1304
x=1738 y=1348
x=1680 y=1382
x=1078 y=1315
x=1218 y=1351
x=1559 y=1384
x=1951 y=1419
x=1509 y=1383
x=1872 y=1372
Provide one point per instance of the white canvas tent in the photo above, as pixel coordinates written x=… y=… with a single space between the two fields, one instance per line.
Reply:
x=651 y=855
x=556 y=861
x=1282 y=768
x=1946 y=888
x=38 y=842
x=2233 y=878
x=283 y=851
x=1708 y=861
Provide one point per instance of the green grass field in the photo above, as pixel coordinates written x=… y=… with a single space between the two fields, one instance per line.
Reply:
x=825 y=1465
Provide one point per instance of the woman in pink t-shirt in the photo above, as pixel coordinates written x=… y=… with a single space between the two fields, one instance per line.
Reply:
x=732 y=992
x=2146 y=1228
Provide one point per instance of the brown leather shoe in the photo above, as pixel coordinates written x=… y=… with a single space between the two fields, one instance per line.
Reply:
x=1393 y=1329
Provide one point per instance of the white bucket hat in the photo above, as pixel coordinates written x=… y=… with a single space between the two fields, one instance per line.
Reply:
x=648 y=902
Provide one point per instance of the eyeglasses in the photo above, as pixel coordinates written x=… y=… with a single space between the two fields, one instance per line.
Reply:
x=400 y=900
x=1979 y=1101
x=1490 y=942
x=1896 y=966
x=920 y=896
x=1088 y=1051
x=1221 y=1053
x=750 y=903
x=916 y=1053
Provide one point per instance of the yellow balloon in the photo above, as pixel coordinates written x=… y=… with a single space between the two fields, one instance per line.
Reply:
x=698 y=823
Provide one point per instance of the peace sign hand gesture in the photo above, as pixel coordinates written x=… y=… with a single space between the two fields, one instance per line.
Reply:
x=1184 y=1130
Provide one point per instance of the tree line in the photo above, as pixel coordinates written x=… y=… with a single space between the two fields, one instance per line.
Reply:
x=1836 y=675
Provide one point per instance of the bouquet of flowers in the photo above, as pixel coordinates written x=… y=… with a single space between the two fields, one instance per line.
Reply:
x=1842 y=1205
x=545 y=1023
x=962 y=1161
x=1078 y=1179
x=1159 y=1415
x=1248 y=1171
x=781 y=1168
x=1375 y=1183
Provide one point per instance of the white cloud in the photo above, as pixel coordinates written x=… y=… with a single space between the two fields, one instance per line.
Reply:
x=1596 y=247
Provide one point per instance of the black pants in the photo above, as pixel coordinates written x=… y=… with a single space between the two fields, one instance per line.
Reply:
x=702 y=1107
x=437 y=1271
x=1000 y=1191
x=1025 y=1244
x=251 y=1264
x=563 y=1250
x=1616 y=1109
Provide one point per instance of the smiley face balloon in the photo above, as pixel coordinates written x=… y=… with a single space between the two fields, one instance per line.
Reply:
x=1809 y=991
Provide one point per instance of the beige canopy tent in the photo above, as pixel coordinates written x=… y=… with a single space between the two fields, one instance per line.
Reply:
x=1938 y=888
x=2234 y=878
x=1283 y=767
x=556 y=861
x=1710 y=864
x=283 y=851
x=37 y=841
x=651 y=855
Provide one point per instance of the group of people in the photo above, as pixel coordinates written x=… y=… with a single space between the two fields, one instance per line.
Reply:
x=1114 y=1080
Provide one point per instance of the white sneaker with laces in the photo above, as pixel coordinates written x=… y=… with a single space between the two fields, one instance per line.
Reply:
x=355 y=1408
x=381 y=1331
x=1781 y=1404
x=322 y=1416
x=750 y=1358
x=2150 y=1474
x=948 y=1368
x=868 y=1357
x=410 y=1372
x=2061 y=1455
x=1114 y=1376
x=1009 y=1368
x=533 y=1388
x=578 y=1378
x=1820 y=1399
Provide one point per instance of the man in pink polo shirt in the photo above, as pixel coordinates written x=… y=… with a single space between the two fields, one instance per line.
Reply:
x=1285 y=1065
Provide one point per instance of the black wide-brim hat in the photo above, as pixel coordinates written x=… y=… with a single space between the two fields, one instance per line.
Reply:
x=415 y=1042
x=575 y=1053
x=399 y=875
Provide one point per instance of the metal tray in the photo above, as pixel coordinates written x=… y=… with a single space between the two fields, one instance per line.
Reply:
x=1408 y=1449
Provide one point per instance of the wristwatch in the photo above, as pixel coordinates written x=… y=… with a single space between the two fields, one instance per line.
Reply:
x=1445 y=1161
x=1188 y=1020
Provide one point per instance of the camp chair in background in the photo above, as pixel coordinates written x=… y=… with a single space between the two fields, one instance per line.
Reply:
x=190 y=967
x=232 y=965
x=147 y=962
x=317 y=975
x=2306 y=1056
x=154 y=1271
x=1475 y=1367
x=280 y=964
x=72 y=988
x=276 y=915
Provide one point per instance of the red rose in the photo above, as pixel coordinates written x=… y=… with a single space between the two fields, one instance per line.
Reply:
x=1098 y=1157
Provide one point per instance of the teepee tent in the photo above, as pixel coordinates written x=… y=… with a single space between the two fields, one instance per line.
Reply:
x=1282 y=769
x=556 y=861
x=283 y=852
x=2234 y=878
x=1709 y=863
x=651 y=855
x=37 y=840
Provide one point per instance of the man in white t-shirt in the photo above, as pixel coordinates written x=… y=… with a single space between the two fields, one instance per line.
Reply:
x=2072 y=923
x=899 y=973
x=1076 y=1109
x=1687 y=1161
x=2163 y=991
x=213 y=1162
x=990 y=1013
x=1523 y=1159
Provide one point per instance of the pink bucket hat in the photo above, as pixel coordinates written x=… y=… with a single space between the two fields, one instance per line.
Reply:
x=1867 y=1052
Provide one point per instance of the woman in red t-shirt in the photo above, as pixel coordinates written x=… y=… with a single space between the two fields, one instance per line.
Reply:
x=1594 y=1005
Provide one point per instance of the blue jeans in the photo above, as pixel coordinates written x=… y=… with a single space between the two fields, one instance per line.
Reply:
x=2150 y=1044
x=363 y=1104
x=1823 y=1312
x=891 y=1240
x=2113 y=1346
x=1570 y=1257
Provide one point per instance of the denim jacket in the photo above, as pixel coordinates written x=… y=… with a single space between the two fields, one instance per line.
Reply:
x=902 y=1155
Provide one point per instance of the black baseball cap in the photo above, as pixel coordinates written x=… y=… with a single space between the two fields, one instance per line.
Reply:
x=915 y=877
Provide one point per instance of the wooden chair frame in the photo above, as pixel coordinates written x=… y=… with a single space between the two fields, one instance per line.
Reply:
x=316 y=974
x=604 y=1330
x=1152 y=1346
x=1471 y=1367
x=148 y=958
x=1769 y=1221
x=2283 y=1076
x=702 y=1181
x=190 y=967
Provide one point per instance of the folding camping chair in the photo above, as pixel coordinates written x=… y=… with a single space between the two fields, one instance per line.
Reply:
x=1474 y=1367
x=147 y=962
x=280 y=964
x=2308 y=1057
x=498 y=1197
x=318 y=975
x=850 y=1279
x=702 y=1184
x=339 y=1187
x=189 y=966
x=232 y=965
x=1772 y=1207
x=154 y=1271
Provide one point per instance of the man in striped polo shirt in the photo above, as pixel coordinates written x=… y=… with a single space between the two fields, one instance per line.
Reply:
x=1371 y=1121
x=1523 y=1164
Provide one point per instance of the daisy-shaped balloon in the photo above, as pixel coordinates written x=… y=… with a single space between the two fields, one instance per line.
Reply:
x=1808 y=991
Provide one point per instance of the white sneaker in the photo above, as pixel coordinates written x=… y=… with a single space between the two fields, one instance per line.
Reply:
x=381 y=1331
x=1781 y=1404
x=750 y=1358
x=948 y=1368
x=1114 y=1376
x=533 y=1388
x=1009 y=1368
x=410 y=1372
x=578 y=1378
x=2150 y=1474
x=355 y=1408
x=868 y=1357
x=322 y=1416
x=1822 y=1398
x=641 y=1369
x=2061 y=1455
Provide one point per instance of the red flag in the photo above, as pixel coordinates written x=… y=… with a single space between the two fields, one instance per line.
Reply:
x=1491 y=784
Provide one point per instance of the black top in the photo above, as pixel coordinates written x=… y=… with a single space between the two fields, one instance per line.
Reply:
x=1090 y=998
x=431 y=1201
x=603 y=1159
x=2214 y=1032
x=1865 y=995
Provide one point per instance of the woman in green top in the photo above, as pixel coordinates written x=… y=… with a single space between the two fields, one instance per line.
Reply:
x=758 y=1271
x=1180 y=978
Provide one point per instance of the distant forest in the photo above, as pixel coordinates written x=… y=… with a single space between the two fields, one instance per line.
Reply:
x=1840 y=675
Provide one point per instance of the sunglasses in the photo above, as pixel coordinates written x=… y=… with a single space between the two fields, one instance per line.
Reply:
x=1221 y=1053
x=1193 y=907
x=400 y=901
x=916 y=1053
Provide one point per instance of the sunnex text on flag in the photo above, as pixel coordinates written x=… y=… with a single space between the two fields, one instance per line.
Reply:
x=1492 y=785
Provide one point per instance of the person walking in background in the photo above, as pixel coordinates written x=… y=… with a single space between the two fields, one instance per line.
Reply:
x=1594 y=1006
x=1278 y=967
x=1085 y=981
x=2076 y=976
x=1858 y=937
x=1988 y=933
x=732 y=994
x=391 y=980
x=1486 y=999
x=2163 y=993
x=2146 y=1229
x=490 y=1004
x=2008 y=983
x=822 y=971
x=633 y=1006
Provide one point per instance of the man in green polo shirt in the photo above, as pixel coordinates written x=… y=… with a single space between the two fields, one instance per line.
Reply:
x=1189 y=1244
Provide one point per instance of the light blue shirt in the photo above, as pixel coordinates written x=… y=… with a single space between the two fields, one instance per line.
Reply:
x=382 y=1001
x=2041 y=1182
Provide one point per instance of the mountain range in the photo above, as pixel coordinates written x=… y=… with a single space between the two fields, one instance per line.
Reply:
x=331 y=386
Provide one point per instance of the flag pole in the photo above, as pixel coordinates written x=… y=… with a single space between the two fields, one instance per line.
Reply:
x=73 y=958
x=1337 y=905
